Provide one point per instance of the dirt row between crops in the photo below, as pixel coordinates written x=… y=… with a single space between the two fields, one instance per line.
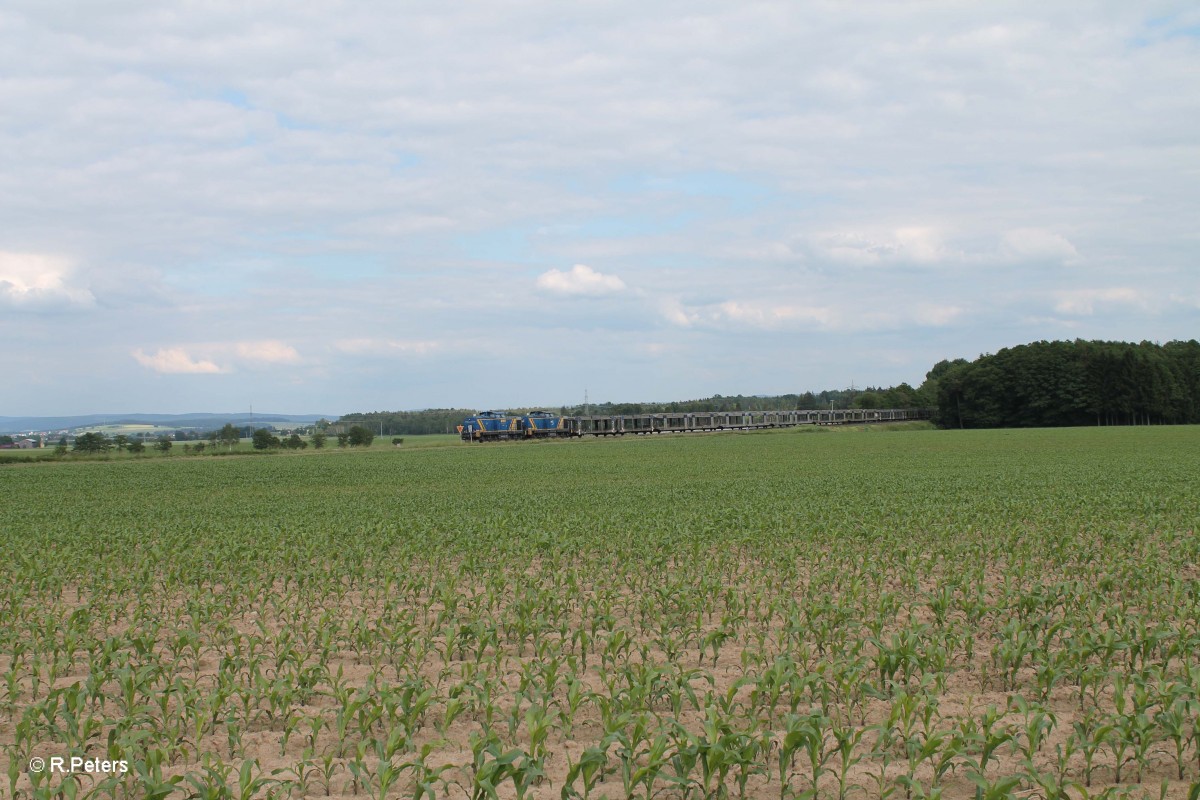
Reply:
x=967 y=693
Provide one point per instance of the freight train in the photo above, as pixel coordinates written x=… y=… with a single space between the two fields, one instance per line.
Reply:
x=492 y=426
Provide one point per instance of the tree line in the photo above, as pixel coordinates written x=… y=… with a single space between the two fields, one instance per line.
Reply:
x=357 y=436
x=1052 y=384
x=405 y=423
x=224 y=439
x=902 y=396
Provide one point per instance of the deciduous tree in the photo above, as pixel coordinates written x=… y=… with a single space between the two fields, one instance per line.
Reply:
x=263 y=439
x=360 y=436
x=92 y=442
x=229 y=436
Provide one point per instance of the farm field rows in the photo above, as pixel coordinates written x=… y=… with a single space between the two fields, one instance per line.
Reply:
x=769 y=615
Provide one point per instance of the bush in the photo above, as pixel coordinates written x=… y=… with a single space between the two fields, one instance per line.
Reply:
x=264 y=439
x=92 y=443
x=360 y=436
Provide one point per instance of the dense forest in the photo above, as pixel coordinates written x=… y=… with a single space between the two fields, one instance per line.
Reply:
x=1034 y=385
x=405 y=423
x=1047 y=384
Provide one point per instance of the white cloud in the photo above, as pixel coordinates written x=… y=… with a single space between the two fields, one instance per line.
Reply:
x=914 y=244
x=267 y=351
x=382 y=347
x=1083 y=302
x=936 y=316
x=175 y=361
x=673 y=311
x=840 y=315
x=581 y=280
x=37 y=282
x=767 y=315
x=201 y=358
x=838 y=83
x=760 y=315
x=1184 y=300
x=1039 y=243
x=920 y=244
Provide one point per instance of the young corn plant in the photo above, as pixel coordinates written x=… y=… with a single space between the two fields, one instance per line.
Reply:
x=1090 y=733
x=1039 y=723
x=427 y=779
x=846 y=739
x=981 y=738
x=940 y=749
x=1049 y=785
x=1009 y=654
x=660 y=748
x=717 y=748
x=539 y=723
x=1131 y=728
x=749 y=752
x=148 y=777
x=914 y=788
x=1001 y=788
x=212 y=783
x=588 y=771
x=328 y=766
x=491 y=766
x=1176 y=720
x=807 y=733
x=251 y=781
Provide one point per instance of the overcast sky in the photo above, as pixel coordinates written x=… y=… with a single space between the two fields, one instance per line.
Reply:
x=332 y=207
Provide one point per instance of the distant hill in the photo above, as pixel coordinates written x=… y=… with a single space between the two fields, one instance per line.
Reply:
x=196 y=420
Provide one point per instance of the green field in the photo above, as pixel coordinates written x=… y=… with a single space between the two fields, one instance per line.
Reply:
x=785 y=614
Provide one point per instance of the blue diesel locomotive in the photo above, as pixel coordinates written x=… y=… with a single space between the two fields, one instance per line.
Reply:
x=489 y=426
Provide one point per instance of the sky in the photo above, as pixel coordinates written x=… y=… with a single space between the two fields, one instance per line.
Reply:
x=352 y=206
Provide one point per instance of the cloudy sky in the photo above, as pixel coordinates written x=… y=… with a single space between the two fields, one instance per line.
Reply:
x=332 y=207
